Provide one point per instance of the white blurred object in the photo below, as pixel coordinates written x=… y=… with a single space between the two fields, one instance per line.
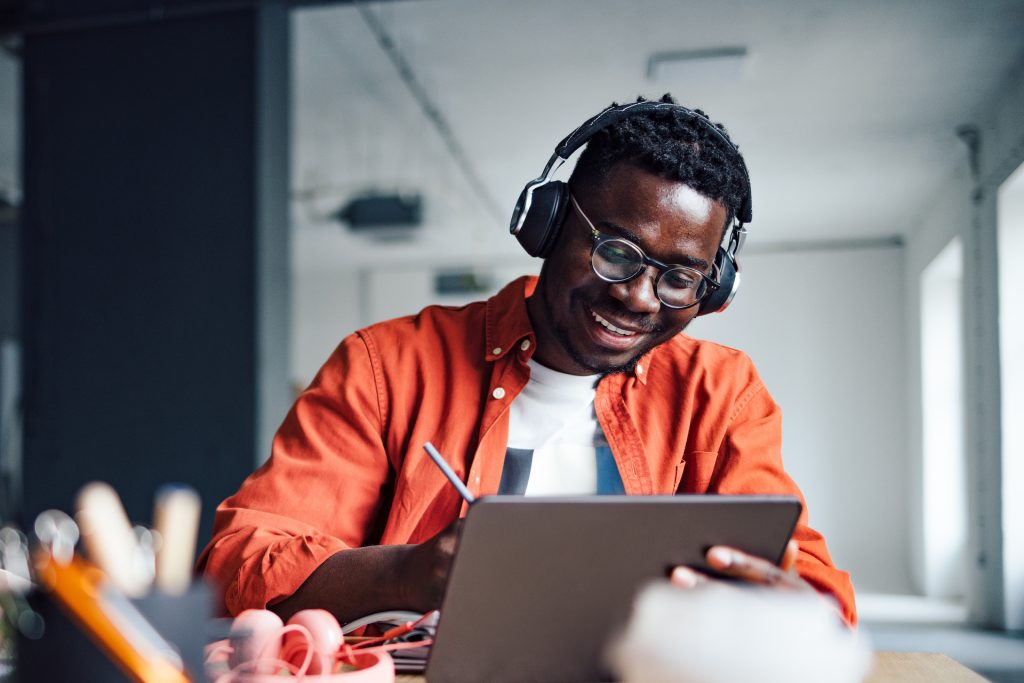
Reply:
x=146 y=544
x=12 y=583
x=176 y=518
x=723 y=633
x=58 y=533
x=109 y=538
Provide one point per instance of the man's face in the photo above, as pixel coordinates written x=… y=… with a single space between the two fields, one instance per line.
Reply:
x=572 y=307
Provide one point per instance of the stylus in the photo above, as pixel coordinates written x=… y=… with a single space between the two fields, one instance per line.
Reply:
x=448 y=472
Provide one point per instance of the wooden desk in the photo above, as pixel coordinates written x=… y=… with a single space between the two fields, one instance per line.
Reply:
x=923 y=667
x=890 y=667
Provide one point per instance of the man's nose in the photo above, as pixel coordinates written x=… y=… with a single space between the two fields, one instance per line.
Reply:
x=638 y=294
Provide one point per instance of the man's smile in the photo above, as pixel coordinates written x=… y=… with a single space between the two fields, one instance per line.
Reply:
x=613 y=328
x=611 y=332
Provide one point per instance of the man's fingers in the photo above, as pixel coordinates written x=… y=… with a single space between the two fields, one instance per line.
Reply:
x=789 y=557
x=684 y=577
x=740 y=565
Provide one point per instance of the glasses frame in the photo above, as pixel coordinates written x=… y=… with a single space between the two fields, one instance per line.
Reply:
x=599 y=238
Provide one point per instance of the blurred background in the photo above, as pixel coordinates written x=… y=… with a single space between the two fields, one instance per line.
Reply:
x=199 y=199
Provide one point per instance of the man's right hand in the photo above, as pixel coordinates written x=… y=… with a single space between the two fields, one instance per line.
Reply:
x=424 y=572
x=359 y=581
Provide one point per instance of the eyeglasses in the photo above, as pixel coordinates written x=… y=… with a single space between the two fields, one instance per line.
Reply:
x=614 y=259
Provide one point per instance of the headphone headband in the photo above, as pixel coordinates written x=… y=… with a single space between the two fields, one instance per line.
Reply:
x=612 y=114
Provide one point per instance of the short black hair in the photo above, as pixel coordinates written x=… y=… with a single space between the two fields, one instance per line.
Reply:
x=673 y=145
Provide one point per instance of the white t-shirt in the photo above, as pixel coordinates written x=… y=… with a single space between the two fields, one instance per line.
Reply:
x=553 y=435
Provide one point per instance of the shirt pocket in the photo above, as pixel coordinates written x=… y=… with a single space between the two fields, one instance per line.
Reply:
x=694 y=471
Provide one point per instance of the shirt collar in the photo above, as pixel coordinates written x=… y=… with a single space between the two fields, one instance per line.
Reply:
x=508 y=323
x=509 y=326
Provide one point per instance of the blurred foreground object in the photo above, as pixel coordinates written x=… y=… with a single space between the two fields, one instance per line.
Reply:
x=176 y=519
x=110 y=619
x=78 y=607
x=108 y=537
x=725 y=633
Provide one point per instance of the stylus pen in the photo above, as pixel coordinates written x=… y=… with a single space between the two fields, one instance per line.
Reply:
x=448 y=472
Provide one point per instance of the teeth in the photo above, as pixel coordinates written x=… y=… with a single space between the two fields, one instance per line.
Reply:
x=609 y=326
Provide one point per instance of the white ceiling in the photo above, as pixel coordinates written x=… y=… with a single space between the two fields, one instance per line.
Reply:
x=846 y=111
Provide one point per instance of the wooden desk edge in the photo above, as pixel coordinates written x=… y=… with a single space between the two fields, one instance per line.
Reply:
x=890 y=667
x=926 y=667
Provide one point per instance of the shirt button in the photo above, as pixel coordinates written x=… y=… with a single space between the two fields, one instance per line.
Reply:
x=496 y=351
x=639 y=369
x=525 y=345
x=498 y=393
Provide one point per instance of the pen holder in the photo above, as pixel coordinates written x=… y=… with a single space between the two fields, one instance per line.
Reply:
x=65 y=652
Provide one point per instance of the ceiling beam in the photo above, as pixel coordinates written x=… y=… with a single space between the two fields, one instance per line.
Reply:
x=19 y=17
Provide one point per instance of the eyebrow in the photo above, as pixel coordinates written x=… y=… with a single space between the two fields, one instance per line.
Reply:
x=684 y=260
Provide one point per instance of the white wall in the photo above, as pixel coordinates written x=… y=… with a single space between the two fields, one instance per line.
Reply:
x=325 y=308
x=942 y=222
x=330 y=304
x=965 y=206
x=1011 y=340
x=825 y=329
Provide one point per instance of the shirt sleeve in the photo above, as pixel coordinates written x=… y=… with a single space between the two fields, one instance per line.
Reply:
x=750 y=462
x=319 y=493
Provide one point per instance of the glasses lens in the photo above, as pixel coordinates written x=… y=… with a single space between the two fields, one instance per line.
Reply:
x=617 y=260
x=681 y=287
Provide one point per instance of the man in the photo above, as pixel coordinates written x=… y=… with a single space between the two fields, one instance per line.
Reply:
x=578 y=381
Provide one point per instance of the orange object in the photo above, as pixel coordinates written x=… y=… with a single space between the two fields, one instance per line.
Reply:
x=109 y=619
x=693 y=417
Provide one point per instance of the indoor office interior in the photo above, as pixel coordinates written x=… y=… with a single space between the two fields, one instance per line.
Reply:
x=199 y=200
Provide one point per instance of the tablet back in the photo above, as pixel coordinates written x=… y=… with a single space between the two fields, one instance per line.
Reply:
x=539 y=584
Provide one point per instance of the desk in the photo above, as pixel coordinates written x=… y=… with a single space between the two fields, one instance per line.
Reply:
x=890 y=667
x=923 y=667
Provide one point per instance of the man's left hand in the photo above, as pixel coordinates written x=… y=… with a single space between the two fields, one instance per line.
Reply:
x=739 y=565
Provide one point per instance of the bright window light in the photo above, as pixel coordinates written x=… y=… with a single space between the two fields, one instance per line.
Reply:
x=1011 y=359
x=945 y=489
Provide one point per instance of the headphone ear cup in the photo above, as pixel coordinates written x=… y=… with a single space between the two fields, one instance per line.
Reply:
x=327 y=639
x=728 y=272
x=255 y=634
x=544 y=218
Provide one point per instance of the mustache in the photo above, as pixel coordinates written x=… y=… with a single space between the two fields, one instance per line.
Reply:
x=614 y=308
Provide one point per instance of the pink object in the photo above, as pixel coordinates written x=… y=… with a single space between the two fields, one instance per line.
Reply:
x=255 y=634
x=258 y=642
x=326 y=637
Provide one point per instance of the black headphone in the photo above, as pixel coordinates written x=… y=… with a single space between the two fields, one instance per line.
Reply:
x=541 y=208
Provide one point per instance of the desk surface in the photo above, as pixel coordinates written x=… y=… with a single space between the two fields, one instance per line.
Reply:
x=890 y=667
x=926 y=667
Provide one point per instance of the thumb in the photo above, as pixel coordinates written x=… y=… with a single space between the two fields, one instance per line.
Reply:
x=789 y=557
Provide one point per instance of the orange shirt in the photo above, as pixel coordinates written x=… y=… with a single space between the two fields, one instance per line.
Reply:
x=348 y=467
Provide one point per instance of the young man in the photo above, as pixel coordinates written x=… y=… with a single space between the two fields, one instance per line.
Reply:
x=578 y=381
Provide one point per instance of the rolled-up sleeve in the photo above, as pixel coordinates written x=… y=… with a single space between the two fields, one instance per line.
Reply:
x=750 y=462
x=320 y=492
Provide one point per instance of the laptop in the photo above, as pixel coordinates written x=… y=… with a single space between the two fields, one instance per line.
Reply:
x=539 y=585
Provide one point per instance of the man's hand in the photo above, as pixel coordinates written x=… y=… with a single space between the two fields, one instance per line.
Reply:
x=739 y=565
x=424 y=572
x=359 y=581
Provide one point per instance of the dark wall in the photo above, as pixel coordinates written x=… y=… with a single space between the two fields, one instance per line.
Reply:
x=142 y=256
x=8 y=275
x=9 y=321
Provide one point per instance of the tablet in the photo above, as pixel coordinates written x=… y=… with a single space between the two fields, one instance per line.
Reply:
x=538 y=585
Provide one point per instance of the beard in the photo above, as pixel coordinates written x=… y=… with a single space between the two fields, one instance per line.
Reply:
x=578 y=298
